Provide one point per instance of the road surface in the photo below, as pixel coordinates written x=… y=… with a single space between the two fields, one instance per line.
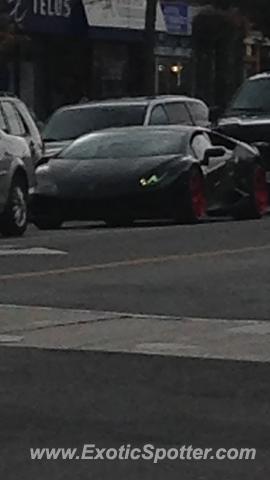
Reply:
x=154 y=279
x=216 y=270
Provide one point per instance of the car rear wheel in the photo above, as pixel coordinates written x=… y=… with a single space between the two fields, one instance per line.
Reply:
x=258 y=202
x=260 y=192
x=192 y=208
x=14 y=220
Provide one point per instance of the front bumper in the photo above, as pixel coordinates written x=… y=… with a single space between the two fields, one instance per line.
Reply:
x=145 y=206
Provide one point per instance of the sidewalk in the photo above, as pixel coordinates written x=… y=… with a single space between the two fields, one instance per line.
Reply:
x=119 y=332
x=137 y=388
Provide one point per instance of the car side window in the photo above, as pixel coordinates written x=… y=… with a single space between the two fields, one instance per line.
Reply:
x=158 y=116
x=3 y=124
x=199 y=112
x=24 y=125
x=16 y=126
x=178 y=114
x=199 y=144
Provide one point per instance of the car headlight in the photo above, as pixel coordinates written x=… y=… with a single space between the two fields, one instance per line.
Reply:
x=154 y=179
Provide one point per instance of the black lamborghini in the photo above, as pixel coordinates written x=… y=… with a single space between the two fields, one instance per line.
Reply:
x=179 y=173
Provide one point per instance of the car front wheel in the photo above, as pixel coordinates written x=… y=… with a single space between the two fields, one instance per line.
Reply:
x=190 y=207
x=15 y=217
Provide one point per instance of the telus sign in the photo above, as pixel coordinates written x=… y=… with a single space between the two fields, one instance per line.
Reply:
x=52 y=8
x=49 y=16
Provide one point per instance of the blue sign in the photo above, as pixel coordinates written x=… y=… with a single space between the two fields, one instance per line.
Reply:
x=177 y=17
x=49 y=16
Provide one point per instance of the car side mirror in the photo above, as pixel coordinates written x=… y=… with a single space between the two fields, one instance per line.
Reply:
x=213 y=152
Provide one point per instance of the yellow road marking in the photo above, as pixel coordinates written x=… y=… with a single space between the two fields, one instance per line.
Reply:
x=131 y=263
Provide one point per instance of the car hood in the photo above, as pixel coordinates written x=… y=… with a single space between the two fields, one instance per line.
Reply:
x=106 y=177
x=53 y=148
x=249 y=129
x=245 y=120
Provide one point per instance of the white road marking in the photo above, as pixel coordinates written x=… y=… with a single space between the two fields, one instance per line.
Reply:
x=10 y=339
x=13 y=251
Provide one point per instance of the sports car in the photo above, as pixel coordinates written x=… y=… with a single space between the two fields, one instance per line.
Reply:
x=179 y=173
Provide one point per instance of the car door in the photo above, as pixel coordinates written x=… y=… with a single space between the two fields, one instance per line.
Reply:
x=17 y=126
x=218 y=172
x=32 y=133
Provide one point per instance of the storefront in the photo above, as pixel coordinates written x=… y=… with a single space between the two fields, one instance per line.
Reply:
x=94 y=49
x=257 y=53
x=173 y=42
x=46 y=67
x=174 y=49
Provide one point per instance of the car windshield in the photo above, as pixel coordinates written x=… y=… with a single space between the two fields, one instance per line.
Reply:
x=253 y=97
x=71 y=123
x=123 y=145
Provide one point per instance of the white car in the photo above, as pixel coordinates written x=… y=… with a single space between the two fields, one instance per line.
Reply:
x=17 y=178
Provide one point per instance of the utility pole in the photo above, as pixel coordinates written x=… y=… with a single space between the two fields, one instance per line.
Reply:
x=149 y=47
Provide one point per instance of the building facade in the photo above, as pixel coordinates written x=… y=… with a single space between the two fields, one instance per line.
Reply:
x=73 y=49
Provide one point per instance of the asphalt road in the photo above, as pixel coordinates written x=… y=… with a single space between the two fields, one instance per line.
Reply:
x=65 y=399
x=215 y=270
x=68 y=399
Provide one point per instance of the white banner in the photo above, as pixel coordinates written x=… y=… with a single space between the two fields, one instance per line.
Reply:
x=126 y=14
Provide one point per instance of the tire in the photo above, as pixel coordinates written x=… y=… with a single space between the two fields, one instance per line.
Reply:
x=257 y=204
x=191 y=206
x=48 y=222
x=13 y=222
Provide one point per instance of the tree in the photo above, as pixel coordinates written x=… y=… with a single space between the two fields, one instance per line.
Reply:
x=257 y=11
x=10 y=36
x=12 y=40
x=149 y=47
x=6 y=37
x=216 y=34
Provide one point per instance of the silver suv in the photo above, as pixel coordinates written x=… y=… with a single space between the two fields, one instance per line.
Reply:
x=72 y=121
x=17 y=178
